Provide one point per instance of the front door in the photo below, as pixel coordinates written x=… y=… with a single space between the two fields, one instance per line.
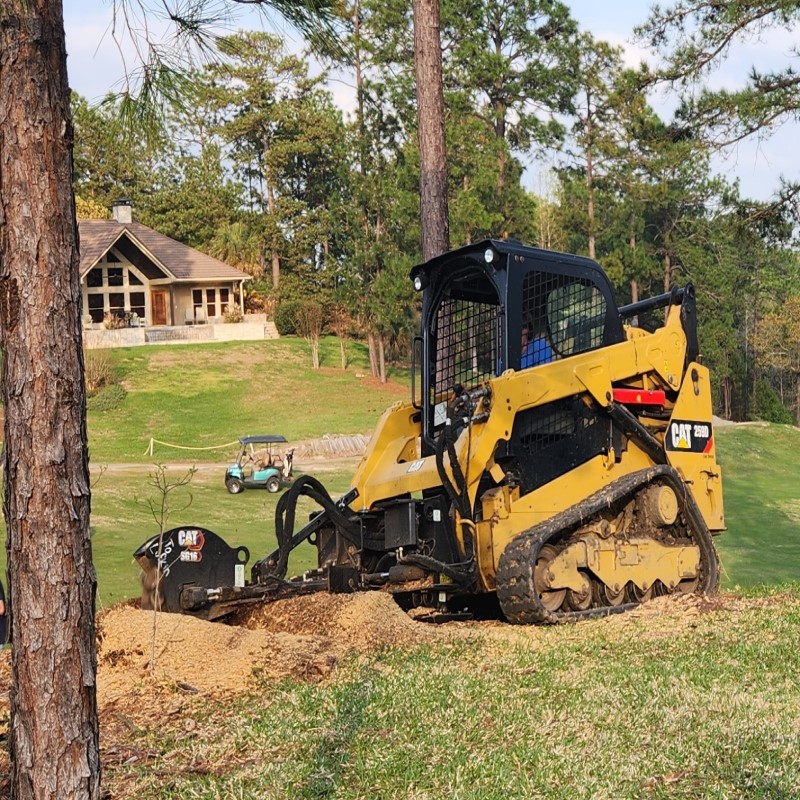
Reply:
x=158 y=307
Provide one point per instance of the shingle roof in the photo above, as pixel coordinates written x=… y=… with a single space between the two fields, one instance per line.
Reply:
x=97 y=236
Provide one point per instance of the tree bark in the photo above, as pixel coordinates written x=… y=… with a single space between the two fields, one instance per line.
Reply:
x=382 y=359
x=54 y=734
x=430 y=109
x=590 y=175
x=271 y=207
x=373 y=355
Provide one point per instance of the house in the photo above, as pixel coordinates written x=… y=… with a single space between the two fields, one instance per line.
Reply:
x=141 y=277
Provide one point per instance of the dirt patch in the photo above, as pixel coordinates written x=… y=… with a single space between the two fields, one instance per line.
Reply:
x=359 y=621
x=302 y=637
x=306 y=637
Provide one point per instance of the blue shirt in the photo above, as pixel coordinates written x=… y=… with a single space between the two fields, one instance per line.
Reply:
x=537 y=351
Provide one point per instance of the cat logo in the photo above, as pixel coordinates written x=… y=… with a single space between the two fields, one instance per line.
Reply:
x=691 y=437
x=191 y=539
x=681 y=433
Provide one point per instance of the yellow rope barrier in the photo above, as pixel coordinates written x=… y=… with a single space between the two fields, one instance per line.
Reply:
x=183 y=447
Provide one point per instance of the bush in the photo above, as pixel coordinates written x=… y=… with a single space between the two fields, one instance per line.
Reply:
x=113 y=321
x=285 y=317
x=98 y=370
x=106 y=399
x=767 y=405
x=232 y=314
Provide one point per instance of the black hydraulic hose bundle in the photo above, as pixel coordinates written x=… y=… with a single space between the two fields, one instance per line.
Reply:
x=285 y=517
x=457 y=489
x=460 y=573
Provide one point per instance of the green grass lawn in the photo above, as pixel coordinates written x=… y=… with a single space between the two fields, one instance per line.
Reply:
x=122 y=519
x=198 y=397
x=761 y=465
x=670 y=707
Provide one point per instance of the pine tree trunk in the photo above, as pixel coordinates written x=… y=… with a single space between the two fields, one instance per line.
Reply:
x=271 y=207
x=362 y=130
x=373 y=355
x=797 y=399
x=315 y=352
x=53 y=733
x=430 y=103
x=667 y=280
x=382 y=359
x=725 y=386
x=590 y=178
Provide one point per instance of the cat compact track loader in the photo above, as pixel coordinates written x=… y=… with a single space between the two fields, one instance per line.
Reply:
x=578 y=486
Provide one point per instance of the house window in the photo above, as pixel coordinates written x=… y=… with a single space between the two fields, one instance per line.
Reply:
x=213 y=301
x=96 y=307
x=116 y=304
x=115 y=290
x=137 y=303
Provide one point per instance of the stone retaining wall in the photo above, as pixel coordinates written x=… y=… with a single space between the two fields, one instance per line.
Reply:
x=249 y=330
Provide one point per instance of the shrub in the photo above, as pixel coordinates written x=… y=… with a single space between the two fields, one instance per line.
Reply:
x=108 y=398
x=232 y=313
x=113 y=321
x=768 y=406
x=285 y=317
x=98 y=370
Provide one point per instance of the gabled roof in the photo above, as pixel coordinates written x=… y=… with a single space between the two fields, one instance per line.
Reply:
x=183 y=263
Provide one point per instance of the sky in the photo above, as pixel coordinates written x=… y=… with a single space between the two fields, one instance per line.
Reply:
x=95 y=67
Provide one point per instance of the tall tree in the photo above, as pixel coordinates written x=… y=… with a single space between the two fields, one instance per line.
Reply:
x=54 y=731
x=284 y=134
x=514 y=65
x=432 y=150
x=110 y=160
x=599 y=67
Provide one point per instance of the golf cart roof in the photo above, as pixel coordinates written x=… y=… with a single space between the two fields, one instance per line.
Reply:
x=268 y=438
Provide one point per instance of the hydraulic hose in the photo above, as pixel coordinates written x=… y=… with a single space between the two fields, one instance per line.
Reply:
x=285 y=517
x=457 y=489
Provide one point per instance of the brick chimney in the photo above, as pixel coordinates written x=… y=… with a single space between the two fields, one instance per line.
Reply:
x=121 y=211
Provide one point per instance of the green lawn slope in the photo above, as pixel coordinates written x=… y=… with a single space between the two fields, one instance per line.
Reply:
x=761 y=486
x=682 y=700
x=199 y=397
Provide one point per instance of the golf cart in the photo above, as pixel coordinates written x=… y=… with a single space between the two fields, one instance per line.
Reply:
x=257 y=466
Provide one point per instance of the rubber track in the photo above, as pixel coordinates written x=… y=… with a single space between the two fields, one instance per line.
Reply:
x=515 y=587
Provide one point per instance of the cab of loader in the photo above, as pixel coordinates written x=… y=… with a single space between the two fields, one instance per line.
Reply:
x=477 y=301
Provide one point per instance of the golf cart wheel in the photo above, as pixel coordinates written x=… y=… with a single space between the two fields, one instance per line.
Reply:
x=234 y=485
x=273 y=484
